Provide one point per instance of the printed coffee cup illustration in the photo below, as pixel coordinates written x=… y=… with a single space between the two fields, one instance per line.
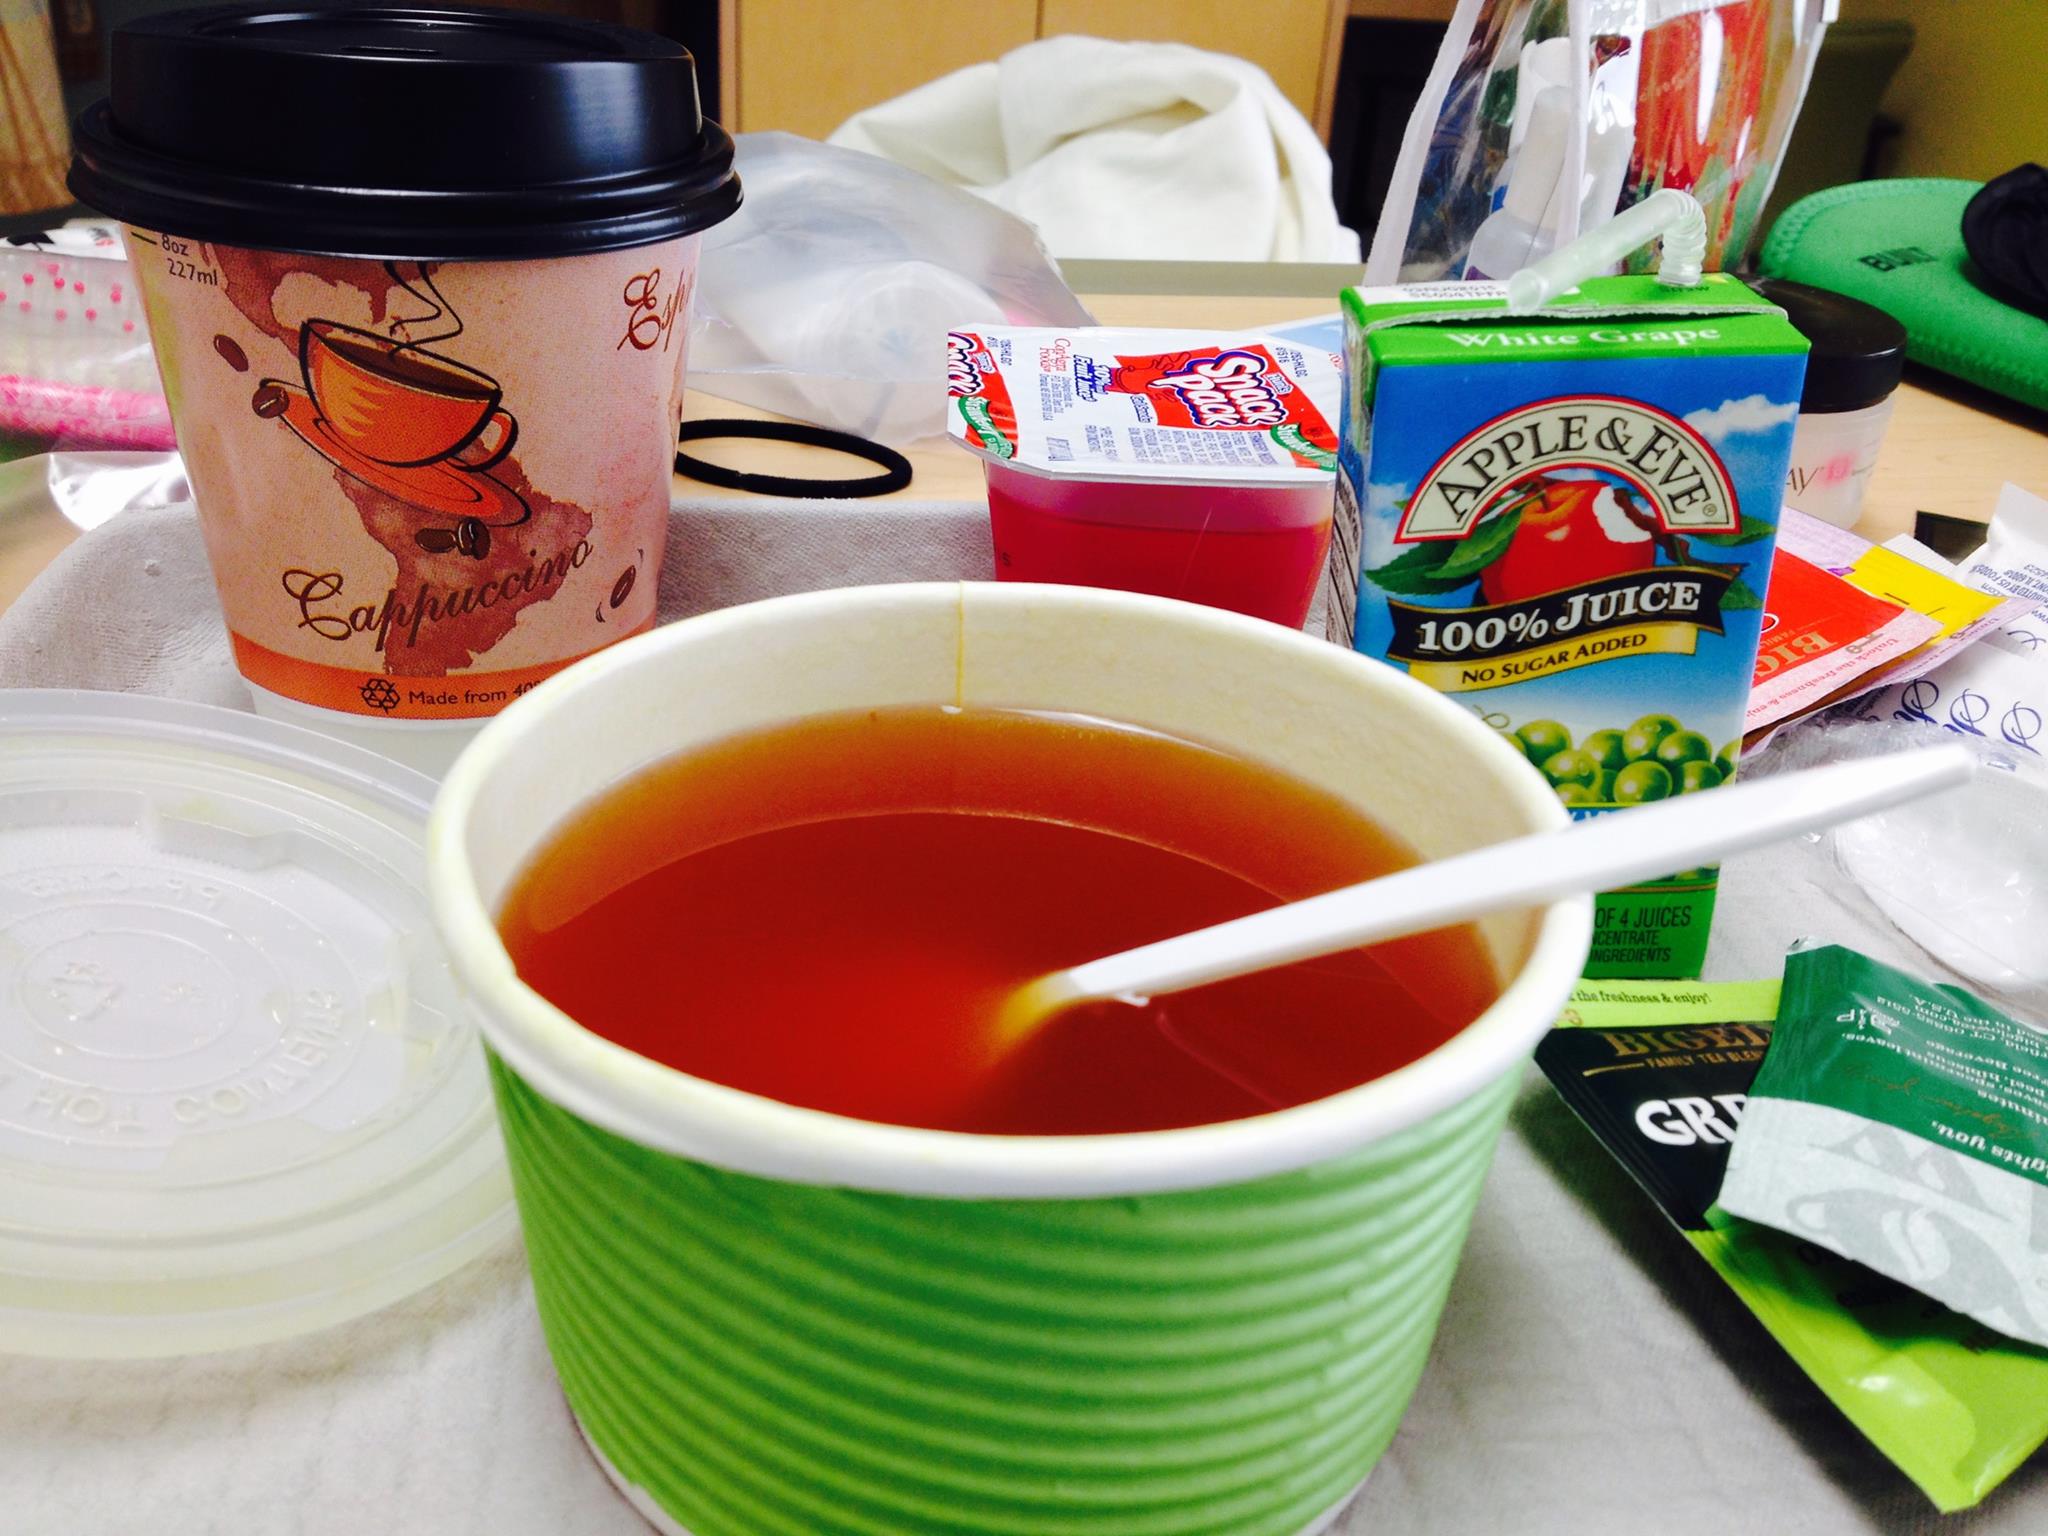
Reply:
x=429 y=427
x=404 y=418
x=397 y=403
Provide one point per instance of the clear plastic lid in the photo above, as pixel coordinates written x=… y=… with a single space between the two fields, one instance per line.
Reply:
x=239 y=1096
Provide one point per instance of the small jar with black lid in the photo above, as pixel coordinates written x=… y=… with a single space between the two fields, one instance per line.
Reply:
x=1858 y=357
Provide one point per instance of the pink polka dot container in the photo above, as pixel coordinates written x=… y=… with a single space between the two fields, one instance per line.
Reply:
x=75 y=365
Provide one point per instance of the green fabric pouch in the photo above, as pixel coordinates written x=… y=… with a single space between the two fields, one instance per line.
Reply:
x=1899 y=245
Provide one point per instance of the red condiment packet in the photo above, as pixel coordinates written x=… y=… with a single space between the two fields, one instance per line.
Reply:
x=1820 y=634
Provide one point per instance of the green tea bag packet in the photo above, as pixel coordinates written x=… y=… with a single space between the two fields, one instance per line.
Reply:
x=1904 y=1125
x=1662 y=1074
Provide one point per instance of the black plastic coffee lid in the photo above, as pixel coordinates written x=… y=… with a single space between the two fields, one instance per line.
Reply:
x=402 y=131
x=1859 y=351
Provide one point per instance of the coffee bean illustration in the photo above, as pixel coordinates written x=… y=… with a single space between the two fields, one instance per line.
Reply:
x=623 y=587
x=435 y=541
x=231 y=350
x=473 y=538
x=269 y=400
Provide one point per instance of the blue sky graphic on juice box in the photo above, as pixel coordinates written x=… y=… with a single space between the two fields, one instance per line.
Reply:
x=1744 y=408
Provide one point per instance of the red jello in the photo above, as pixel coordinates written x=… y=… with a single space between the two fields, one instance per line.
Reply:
x=1192 y=467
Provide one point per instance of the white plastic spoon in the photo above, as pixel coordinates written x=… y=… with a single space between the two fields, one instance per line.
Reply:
x=1608 y=851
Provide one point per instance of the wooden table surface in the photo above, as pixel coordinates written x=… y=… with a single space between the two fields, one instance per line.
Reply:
x=1949 y=448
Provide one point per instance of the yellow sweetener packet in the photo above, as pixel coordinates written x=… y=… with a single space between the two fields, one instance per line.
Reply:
x=1950 y=603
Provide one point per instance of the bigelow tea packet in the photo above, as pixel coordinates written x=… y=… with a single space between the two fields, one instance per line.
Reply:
x=1904 y=1125
x=1564 y=520
x=1662 y=1074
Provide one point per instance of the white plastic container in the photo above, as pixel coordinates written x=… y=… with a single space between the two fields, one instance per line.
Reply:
x=1833 y=456
x=1858 y=357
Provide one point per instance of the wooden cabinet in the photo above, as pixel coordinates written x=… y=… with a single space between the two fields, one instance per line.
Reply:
x=1294 y=41
x=808 y=65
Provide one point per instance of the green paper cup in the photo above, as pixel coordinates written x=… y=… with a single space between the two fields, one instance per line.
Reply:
x=770 y=1320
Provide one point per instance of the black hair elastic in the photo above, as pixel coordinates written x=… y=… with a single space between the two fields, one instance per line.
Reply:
x=894 y=476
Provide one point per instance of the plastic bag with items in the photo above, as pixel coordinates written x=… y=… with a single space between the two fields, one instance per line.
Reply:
x=1699 y=95
x=1963 y=875
x=828 y=296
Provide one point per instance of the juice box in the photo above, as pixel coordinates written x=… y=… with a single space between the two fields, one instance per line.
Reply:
x=1565 y=521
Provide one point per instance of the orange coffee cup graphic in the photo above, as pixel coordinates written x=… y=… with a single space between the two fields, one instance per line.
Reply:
x=417 y=425
x=397 y=405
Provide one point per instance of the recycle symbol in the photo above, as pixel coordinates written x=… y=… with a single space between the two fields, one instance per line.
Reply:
x=379 y=694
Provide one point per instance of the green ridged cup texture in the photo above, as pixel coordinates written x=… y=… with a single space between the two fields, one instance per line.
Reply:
x=766 y=1358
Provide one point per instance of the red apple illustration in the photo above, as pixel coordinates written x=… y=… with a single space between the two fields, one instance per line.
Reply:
x=1568 y=536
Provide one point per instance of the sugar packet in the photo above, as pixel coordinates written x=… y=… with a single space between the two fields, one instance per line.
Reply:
x=1917 y=579
x=2014 y=558
x=1660 y=1072
x=1950 y=616
x=1903 y=1125
x=1996 y=692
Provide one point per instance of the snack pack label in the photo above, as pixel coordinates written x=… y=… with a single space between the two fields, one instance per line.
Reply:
x=1150 y=405
x=974 y=382
x=1566 y=523
x=424 y=486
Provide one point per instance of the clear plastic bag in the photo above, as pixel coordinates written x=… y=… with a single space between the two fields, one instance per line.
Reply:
x=76 y=370
x=828 y=296
x=1699 y=95
x=1962 y=876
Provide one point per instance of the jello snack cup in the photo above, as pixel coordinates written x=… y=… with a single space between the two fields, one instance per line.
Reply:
x=425 y=360
x=1185 y=465
x=1564 y=521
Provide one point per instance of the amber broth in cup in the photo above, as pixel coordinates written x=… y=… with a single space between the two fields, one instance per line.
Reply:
x=831 y=914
